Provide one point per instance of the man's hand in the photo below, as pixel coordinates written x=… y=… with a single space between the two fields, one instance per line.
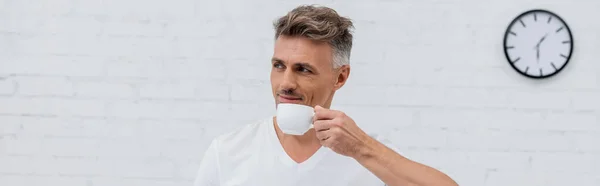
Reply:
x=340 y=133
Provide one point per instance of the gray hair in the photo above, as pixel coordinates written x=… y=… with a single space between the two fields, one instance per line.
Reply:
x=321 y=24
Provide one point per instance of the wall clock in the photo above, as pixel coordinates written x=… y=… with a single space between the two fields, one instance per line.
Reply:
x=538 y=44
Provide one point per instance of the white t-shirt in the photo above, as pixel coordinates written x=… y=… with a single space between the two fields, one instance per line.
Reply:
x=253 y=156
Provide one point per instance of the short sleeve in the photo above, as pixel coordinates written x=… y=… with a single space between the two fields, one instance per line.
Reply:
x=208 y=172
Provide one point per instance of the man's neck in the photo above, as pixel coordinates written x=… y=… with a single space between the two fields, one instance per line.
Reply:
x=298 y=147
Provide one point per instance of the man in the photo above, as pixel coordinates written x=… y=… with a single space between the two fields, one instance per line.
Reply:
x=310 y=63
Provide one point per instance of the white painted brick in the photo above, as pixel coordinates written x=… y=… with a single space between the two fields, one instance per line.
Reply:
x=512 y=177
x=46 y=65
x=383 y=117
x=77 y=166
x=187 y=28
x=133 y=27
x=500 y=161
x=44 y=86
x=419 y=137
x=61 y=127
x=363 y=74
x=252 y=92
x=565 y=161
x=205 y=90
x=16 y=165
x=100 y=89
x=152 y=182
x=585 y=100
x=56 y=180
x=166 y=109
x=52 y=106
x=477 y=119
x=249 y=70
x=539 y=99
x=570 y=121
x=172 y=129
x=251 y=112
x=170 y=68
x=14 y=179
x=566 y=178
x=586 y=142
x=23 y=145
x=142 y=168
x=60 y=25
x=8 y=86
x=11 y=124
x=474 y=97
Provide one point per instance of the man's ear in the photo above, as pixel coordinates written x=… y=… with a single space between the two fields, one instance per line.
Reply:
x=342 y=76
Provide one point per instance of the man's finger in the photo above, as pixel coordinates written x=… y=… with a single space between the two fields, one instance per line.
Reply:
x=324 y=114
x=321 y=125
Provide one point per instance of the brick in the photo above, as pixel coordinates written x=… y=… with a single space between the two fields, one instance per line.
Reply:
x=153 y=182
x=512 y=177
x=102 y=89
x=57 y=180
x=8 y=86
x=382 y=118
x=142 y=168
x=562 y=161
x=238 y=70
x=133 y=27
x=67 y=127
x=13 y=179
x=166 y=109
x=500 y=161
x=419 y=137
x=172 y=129
x=11 y=124
x=252 y=92
x=174 y=68
x=44 y=86
x=16 y=165
x=40 y=65
x=362 y=75
x=250 y=112
x=585 y=100
x=52 y=106
x=23 y=145
x=60 y=25
x=76 y=166
x=538 y=98
x=204 y=90
x=586 y=142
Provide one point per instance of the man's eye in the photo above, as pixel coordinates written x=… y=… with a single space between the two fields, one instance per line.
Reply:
x=277 y=65
x=302 y=69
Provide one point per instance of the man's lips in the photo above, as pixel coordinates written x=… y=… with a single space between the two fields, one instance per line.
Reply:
x=288 y=99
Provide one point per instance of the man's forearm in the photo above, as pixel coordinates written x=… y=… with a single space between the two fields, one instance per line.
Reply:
x=396 y=170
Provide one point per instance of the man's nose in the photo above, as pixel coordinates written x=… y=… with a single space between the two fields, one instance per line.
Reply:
x=289 y=81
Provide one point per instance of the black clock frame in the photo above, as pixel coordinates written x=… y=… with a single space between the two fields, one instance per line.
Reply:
x=514 y=21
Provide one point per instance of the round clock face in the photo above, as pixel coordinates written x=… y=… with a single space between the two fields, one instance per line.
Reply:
x=538 y=44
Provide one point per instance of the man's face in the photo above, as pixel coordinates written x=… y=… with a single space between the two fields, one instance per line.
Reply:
x=302 y=72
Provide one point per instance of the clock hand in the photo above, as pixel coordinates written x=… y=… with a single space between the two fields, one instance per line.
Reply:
x=540 y=42
x=537 y=47
x=538 y=54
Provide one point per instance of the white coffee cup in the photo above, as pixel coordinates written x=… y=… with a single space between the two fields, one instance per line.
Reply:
x=294 y=119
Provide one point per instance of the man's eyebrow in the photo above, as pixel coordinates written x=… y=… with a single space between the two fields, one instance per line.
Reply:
x=277 y=60
x=305 y=65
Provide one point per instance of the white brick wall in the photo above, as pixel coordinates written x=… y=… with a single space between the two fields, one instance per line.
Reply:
x=129 y=92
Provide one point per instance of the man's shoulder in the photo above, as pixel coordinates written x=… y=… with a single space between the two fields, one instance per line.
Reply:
x=243 y=135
